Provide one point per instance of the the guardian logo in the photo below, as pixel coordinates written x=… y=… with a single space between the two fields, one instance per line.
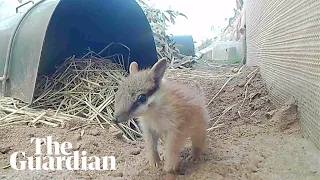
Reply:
x=59 y=157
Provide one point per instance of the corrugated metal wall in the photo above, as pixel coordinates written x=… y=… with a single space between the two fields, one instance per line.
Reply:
x=283 y=38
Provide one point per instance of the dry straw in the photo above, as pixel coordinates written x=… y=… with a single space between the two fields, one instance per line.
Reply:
x=81 y=88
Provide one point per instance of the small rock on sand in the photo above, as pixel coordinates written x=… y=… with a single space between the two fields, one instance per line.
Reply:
x=117 y=174
x=94 y=132
x=115 y=132
x=135 y=151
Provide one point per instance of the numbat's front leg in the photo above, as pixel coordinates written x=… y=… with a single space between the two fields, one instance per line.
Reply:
x=151 y=140
x=173 y=145
x=198 y=140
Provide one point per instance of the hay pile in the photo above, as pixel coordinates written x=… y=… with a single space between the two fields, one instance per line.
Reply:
x=16 y=112
x=81 y=88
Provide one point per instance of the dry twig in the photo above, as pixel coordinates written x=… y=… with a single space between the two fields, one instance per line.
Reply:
x=239 y=72
x=216 y=123
x=253 y=73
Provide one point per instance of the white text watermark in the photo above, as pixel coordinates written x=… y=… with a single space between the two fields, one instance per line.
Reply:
x=59 y=157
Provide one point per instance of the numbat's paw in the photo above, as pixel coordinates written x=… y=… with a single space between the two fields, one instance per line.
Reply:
x=195 y=154
x=193 y=159
x=154 y=164
x=154 y=161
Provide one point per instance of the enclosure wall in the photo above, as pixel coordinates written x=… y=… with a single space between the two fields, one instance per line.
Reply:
x=283 y=38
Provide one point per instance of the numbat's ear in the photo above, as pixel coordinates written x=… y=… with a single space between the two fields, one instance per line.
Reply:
x=159 y=69
x=133 y=67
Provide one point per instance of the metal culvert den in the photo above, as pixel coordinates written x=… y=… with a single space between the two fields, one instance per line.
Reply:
x=33 y=43
x=185 y=44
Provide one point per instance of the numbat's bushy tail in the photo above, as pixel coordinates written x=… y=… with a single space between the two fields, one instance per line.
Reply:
x=164 y=109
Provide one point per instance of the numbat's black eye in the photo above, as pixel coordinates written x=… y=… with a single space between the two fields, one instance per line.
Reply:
x=142 y=98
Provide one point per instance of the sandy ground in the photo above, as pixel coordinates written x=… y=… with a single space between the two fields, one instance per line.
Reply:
x=255 y=141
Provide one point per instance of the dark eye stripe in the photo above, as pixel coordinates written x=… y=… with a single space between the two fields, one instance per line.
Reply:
x=135 y=105
x=152 y=91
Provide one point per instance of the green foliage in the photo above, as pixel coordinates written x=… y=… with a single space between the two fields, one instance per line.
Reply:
x=159 y=21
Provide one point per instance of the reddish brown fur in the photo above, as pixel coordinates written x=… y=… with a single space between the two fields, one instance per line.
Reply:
x=175 y=112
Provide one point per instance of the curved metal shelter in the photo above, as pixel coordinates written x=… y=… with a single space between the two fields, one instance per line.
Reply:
x=32 y=43
x=186 y=44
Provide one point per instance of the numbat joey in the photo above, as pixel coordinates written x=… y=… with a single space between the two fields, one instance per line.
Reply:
x=167 y=110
